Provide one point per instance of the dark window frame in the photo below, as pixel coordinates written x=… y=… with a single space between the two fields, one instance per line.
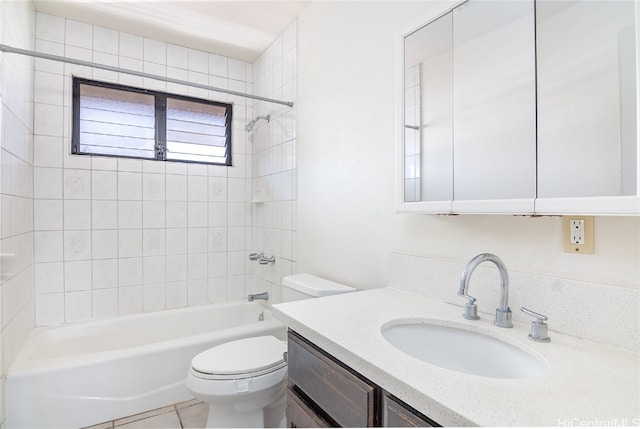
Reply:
x=160 y=121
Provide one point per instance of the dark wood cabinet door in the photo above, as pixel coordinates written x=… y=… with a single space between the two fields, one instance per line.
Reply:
x=397 y=414
x=301 y=415
x=343 y=395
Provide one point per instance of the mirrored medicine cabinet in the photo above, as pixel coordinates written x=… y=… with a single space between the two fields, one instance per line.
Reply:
x=525 y=107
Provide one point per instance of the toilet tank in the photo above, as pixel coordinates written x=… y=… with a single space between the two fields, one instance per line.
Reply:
x=305 y=286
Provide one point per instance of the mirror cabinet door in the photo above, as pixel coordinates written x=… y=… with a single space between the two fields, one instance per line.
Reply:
x=428 y=113
x=586 y=98
x=494 y=101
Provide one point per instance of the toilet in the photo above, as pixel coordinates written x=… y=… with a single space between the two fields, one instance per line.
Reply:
x=244 y=381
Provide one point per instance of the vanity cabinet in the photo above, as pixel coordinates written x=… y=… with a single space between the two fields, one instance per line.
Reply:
x=323 y=392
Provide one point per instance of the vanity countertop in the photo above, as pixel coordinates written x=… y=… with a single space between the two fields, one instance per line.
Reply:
x=587 y=383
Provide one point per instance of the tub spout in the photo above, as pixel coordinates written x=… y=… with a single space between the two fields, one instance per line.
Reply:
x=263 y=295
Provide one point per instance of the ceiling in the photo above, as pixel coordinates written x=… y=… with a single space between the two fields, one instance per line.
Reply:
x=238 y=29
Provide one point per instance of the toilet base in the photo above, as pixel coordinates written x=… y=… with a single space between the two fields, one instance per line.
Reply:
x=271 y=416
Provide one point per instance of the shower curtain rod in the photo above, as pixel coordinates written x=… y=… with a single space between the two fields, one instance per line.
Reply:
x=10 y=49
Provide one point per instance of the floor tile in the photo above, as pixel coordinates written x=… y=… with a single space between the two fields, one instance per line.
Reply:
x=167 y=420
x=106 y=425
x=194 y=416
x=144 y=415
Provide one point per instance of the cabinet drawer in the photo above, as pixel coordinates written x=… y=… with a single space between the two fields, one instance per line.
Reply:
x=397 y=414
x=341 y=394
x=300 y=415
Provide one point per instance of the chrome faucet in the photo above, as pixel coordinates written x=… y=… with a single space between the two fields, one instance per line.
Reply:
x=503 y=314
x=263 y=295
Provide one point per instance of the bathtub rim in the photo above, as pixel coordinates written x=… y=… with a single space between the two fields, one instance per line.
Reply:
x=26 y=365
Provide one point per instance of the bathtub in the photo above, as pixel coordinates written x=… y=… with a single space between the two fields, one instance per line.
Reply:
x=82 y=374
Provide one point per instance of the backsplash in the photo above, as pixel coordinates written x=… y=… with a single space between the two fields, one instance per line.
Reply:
x=594 y=311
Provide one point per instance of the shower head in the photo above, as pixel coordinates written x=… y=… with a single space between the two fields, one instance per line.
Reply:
x=252 y=124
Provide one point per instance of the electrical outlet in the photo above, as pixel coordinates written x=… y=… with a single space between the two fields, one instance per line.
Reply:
x=577 y=231
x=578 y=234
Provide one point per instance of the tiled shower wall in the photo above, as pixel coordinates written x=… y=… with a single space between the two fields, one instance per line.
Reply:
x=274 y=165
x=17 y=28
x=120 y=236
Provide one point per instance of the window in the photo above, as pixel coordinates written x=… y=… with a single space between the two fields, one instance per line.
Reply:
x=116 y=120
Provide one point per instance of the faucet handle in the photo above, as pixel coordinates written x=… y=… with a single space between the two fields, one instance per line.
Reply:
x=470 y=308
x=539 y=329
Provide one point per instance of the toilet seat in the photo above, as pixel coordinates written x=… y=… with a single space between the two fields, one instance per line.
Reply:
x=244 y=358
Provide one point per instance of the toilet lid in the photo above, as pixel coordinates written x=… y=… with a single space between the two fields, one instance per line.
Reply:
x=243 y=356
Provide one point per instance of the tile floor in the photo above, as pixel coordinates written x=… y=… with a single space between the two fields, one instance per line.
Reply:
x=190 y=414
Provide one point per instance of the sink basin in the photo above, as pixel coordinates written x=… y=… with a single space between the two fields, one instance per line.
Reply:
x=462 y=350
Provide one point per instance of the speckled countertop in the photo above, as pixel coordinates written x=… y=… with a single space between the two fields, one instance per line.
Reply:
x=587 y=383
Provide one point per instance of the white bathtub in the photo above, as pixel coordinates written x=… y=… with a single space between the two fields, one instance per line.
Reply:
x=82 y=374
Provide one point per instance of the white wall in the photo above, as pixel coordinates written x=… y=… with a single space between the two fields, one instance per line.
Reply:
x=17 y=28
x=347 y=227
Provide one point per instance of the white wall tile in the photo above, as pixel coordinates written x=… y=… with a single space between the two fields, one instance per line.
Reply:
x=153 y=187
x=176 y=240
x=49 y=309
x=218 y=214
x=197 y=214
x=197 y=292
x=105 y=244
x=77 y=214
x=47 y=151
x=217 y=240
x=104 y=214
x=105 y=40
x=176 y=187
x=153 y=242
x=177 y=268
x=177 y=56
x=77 y=306
x=197 y=188
x=198 y=61
x=176 y=294
x=155 y=51
x=78 y=34
x=130 y=46
x=176 y=214
x=104 y=185
x=77 y=275
x=77 y=184
x=153 y=214
x=154 y=296
x=129 y=214
x=129 y=243
x=50 y=28
x=153 y=269
x=47 y=215
x=105 y=163
x=104 y=273
x=105 y=303
x=197 y=240
x=49 y=277
x=77 y=245
x=47 y=182
x=237 y=70
x=129 y=271
x=130 y=300
x=129 y=185
x=48 y=246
